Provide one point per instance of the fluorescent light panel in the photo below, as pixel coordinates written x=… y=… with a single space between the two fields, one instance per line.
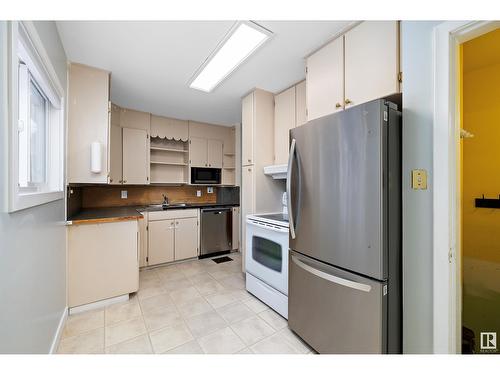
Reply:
x=242 y=42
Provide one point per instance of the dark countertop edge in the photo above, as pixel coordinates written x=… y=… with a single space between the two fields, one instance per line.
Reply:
x=123 y=213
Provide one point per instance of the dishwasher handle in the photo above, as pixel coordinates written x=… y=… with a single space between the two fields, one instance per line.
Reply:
x=216 y=210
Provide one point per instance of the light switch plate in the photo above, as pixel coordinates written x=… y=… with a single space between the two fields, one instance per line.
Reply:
x=210 y=190
x=198 y=193
x=419 y=179
x=124 y=194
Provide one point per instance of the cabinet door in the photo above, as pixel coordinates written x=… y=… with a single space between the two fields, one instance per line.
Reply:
x=325 y=80
x=284 y=120
x=198 y=152
x=247 y=204
x=115 y=154
x=214 y=153
x=143 y=240
x=371 y=61
x=186 y=238
x=102 y=261
x=247 y=119
x=236 y=228
x=300 y=104
x=161 y=241
x=88 y=121
x=135 y=157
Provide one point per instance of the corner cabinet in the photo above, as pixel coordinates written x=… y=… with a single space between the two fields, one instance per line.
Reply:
x=103 y=261
x=359 y=66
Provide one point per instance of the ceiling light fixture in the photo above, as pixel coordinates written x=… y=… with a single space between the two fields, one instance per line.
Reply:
x=240 y=42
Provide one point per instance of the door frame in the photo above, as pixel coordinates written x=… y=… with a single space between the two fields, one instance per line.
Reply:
x=447 y=304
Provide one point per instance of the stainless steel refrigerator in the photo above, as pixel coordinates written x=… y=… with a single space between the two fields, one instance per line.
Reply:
x=344 y=186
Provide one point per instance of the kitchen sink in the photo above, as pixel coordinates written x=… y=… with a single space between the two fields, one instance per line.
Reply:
x=167 y=206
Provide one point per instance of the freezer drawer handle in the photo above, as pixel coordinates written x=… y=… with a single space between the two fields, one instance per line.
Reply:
x=333 y=279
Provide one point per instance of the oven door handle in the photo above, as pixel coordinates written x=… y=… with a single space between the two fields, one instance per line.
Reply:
x=268 y=227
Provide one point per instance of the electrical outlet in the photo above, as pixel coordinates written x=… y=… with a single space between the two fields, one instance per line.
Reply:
x=210 y=190
x=419 y=179
x=124 y=194
x=198 y=193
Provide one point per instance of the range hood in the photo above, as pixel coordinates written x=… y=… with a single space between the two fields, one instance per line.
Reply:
x=278 y=172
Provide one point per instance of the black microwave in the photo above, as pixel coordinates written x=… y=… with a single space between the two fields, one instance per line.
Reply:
x=206 y=176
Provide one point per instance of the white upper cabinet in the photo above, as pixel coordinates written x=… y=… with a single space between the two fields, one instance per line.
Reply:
x=247 y=120
x=214 y=153
x=360 y=66
x=169 y=128
x=284 y=120
x=132 y=119
x=371 y=61
x=300 y=104
x=198 y=152
x=88 y=122
x=115 y=148
x=325 y=80
x=135 y=157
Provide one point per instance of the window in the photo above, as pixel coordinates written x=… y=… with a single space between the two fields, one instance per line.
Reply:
x=37 y=131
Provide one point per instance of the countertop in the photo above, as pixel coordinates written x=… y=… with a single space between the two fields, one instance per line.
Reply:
x=111 y=214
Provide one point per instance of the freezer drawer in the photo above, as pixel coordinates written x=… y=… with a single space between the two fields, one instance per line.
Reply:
x=336 y=311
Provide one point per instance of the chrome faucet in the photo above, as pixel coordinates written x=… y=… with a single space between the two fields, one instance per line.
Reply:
x=165 y=200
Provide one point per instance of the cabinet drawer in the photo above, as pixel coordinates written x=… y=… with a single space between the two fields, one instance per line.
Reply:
x=173 y=214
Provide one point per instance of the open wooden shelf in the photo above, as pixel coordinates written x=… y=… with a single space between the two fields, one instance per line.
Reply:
x=168 y=163
x=167 y=149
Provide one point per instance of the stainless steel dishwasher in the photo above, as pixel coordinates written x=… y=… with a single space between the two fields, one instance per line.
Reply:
x=216 y=230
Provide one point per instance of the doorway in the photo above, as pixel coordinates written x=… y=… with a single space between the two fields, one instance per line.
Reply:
x=479 y=151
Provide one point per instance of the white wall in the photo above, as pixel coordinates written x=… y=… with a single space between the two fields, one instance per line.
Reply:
x=417 y=62
x=32 y=242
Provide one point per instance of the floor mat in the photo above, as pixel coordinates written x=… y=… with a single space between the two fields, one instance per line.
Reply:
x=222 y=259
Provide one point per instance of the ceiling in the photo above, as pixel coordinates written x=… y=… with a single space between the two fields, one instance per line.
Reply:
x=152 y=62
x=482 y=51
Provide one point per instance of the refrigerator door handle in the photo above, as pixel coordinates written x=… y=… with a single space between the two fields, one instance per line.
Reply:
x=289 y=189
x=334 y=279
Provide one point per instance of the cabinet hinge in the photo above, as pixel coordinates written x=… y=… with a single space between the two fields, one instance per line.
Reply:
x=147 y=136
x=306 y=69
x=147 y=259
x=307 y=113
x=109 y=106
x=400 y=77
x=147 y=227
x=147 y=178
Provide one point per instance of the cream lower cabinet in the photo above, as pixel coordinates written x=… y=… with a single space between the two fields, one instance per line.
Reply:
x=103 y=261
x=186 y=239
x=172 y=235
x=161 y=241
x=143 y=239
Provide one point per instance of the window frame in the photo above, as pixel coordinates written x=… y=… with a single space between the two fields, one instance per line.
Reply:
x=42 y=72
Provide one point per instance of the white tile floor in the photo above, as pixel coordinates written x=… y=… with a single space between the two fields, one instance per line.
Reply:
x=193 y=307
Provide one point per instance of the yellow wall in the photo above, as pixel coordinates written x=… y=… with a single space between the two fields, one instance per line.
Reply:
x=481 y=159
x=481 y=175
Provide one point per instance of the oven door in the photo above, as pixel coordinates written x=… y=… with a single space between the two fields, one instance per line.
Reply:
x=267 y=254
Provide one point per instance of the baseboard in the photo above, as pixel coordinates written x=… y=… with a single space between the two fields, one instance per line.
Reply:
x=98 y=304
x=60 y=328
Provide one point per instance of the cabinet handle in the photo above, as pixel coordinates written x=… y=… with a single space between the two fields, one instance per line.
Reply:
x=110 y=180
x=338 y=105
x=348 y=101
x=120 y=181
x=124 y=181
x=249 y=160
x=210 y=165
x=205 y=164
x=249 y=169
